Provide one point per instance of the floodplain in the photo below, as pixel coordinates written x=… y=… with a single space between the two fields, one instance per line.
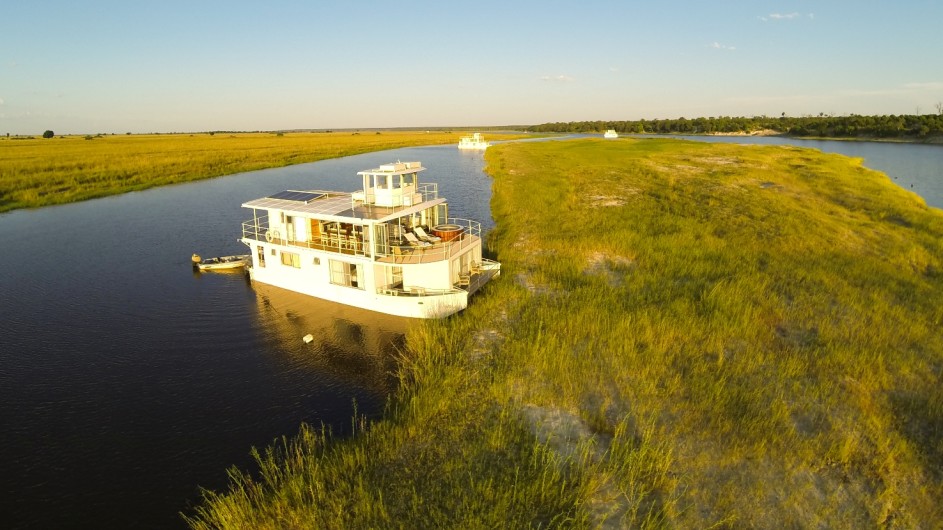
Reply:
x=684 y=335
x=38 y=172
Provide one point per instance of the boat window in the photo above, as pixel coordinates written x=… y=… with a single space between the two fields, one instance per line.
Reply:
x=261 y=252
x=291 y=259
x=346 y=274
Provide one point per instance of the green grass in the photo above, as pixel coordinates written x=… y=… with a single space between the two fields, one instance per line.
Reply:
x=42 y=172
x=683 y=335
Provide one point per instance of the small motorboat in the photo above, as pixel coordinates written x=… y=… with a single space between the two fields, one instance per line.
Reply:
x=220 y=263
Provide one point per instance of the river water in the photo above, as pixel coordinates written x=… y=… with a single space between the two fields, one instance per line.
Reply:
x=128 y=381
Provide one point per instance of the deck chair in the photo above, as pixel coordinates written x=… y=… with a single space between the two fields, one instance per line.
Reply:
x=400 y=253
x=414 y=241
x=426 y=237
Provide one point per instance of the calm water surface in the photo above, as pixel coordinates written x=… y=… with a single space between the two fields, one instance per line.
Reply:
x=128 y=381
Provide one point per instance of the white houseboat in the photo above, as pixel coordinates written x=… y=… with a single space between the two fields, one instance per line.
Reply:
x=389 y=247
x=475 y=141
x=611 y=133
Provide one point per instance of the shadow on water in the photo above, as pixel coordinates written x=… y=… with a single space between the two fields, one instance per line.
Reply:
x=351 y=345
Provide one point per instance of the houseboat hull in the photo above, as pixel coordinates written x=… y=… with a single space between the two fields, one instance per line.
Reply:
x=416 y=302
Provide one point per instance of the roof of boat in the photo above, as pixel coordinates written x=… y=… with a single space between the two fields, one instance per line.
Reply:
x=396 y=168
x=339 y=205
x=331 y=205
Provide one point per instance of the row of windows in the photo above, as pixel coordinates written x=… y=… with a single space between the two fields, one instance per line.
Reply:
x=342 y=273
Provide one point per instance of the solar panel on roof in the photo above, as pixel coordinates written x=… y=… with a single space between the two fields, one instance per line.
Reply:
x=297 y=196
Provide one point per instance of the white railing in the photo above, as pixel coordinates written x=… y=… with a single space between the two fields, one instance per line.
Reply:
x=467 y=232
x=415 y=291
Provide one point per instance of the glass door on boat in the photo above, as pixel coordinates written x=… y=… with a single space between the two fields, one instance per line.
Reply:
x=295 y=228
x=393 y=277
x=382 y=240
x=441 y=214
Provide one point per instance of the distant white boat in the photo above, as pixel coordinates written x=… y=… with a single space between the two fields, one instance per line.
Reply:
x=475 y=141
x=611 y=133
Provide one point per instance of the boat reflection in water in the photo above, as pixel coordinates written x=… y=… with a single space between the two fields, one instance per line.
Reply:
x=344 y=345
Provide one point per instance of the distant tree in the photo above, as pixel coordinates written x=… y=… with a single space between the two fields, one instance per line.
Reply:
x=939 y=107
x=48 y=134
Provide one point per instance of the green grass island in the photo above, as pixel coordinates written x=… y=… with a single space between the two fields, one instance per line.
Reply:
x=686 y=335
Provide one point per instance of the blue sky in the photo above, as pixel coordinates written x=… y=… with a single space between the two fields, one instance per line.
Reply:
x=199 y=65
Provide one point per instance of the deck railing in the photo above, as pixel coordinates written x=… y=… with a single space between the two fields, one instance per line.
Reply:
x=402 y=251
x=394 y=251
x=479 y=275
x=415 y=291
x=427 y=191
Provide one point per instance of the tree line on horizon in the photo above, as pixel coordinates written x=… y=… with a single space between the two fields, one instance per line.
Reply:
x=852 y=126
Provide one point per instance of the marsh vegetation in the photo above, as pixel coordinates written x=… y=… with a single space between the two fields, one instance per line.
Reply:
x=44 y=171
x=684 y=335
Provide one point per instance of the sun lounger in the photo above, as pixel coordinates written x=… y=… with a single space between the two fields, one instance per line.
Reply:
x=426 y=237
x=414 y=241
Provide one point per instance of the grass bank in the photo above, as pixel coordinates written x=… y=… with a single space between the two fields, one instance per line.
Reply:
x=42 y=172
x=684 y=335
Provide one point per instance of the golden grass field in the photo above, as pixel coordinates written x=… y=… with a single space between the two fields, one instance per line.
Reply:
x=684 y=335
x=40 y=172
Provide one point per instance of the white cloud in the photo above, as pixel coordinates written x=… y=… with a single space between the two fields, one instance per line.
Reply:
x=1 y=101
x=562 y=78
x=935 y=85
x=719 y=46
x=784 y=16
